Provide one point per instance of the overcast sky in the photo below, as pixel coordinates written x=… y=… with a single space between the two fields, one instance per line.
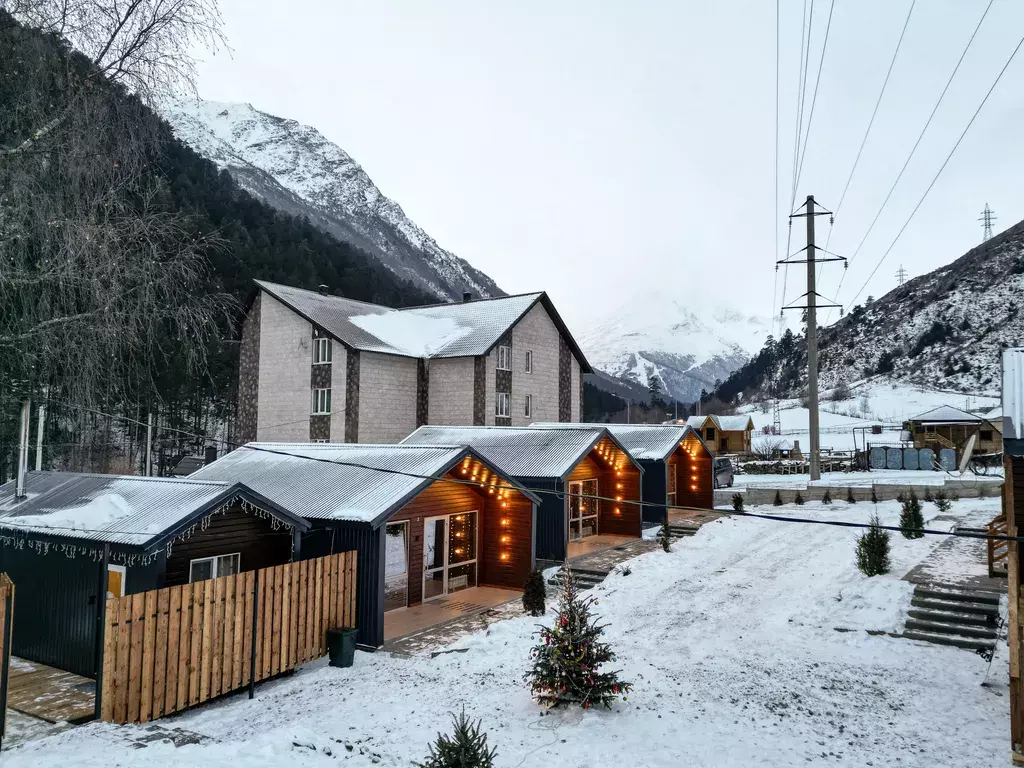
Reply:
x=598 y=149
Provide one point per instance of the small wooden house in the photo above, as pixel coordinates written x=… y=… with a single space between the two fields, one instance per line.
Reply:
x=569 y=467
x=75 y=539
x=678 y=468
x=425 y=522
x=949 y=427
x=724 y=434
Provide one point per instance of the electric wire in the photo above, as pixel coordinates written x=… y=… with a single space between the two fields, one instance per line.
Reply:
x=814 y=93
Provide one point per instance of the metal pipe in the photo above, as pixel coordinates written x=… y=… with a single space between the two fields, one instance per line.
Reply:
x=149 y=445
x=40 y=425
x=19 y=486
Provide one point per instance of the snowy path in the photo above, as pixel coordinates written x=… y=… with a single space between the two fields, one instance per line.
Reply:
x=730 y=641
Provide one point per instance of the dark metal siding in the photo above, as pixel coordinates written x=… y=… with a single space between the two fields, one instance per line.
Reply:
x=654 y=489
x=550 y=531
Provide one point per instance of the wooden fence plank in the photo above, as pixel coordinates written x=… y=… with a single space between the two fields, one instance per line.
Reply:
x=267 y=619
x=148 y=652
x=351 y=555
x=300 y=616
x=108 y=681
x=286 y=612
x=206 y=644
x=163 y=598
x=124 y=627
x=135 y=659
x=196 y=652
x=250 y=585
x=184 y=648
x=275 y=637
x=217 y=636
x=173 y=659
x=318 y=606
x=293 y=626
x=238 y=620
x=310 y=587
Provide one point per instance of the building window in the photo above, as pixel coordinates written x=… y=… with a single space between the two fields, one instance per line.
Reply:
x=709 y=433
x=504 y=358
x=214 y=567
x=321 y=351
x=116 y=577
x=529 y=405
x=529 y=362
x=986 y=434
x=321 y=402
x=501 y=405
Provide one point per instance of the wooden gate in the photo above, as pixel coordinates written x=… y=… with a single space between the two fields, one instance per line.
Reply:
x=6 y=627
x=169 y=649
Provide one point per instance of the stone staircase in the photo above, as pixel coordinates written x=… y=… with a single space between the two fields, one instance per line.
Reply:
x=586 y=578
x=957 y=616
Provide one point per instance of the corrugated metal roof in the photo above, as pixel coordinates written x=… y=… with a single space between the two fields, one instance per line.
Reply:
x=726 y=423
x=485 y=321
x=107 y=508
x=947 y=413
x=644 y=442
x=326 y=490
x=1013 y=401
x=519 y=452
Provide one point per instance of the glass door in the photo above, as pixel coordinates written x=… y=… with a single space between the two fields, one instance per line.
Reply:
x=582 y=509
x=396 y=565
x=449 y=554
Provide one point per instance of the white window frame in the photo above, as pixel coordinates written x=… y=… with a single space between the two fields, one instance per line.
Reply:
x=124 y=578
x=215 y=559
x=318 y=408
x=529 y=406
x=504 y=362
x=529 y=361
x=502 y=399
x=322 y=350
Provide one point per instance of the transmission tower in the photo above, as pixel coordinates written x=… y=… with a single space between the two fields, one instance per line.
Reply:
x=901 y=275
x=986 y=220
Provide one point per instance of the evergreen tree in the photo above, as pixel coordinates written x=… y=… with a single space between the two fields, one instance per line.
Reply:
x=665 y=537
x=466 y=749
x=942 y=501
x=850 y=499
x=737 y=502
x=873 y=549
x=654 y=391
x=911 y=518
x=566 y=664
x=928 y=494
x=778 y=499
x=798 y=499
x=534 y=593
x=827 y=498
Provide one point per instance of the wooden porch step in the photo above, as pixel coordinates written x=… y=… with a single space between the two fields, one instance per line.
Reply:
x=951 y=594
x=948 y=617
x=958 y=641
x=982 y=632
x=954 y=606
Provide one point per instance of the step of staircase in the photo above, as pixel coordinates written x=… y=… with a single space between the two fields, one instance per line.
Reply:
x=950 y=617
x=944 y=628
x=958 y=641
x=679 y=530
x=955 y=606
x=585 y=578
x=950 y=594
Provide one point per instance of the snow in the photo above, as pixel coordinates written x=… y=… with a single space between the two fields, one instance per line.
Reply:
x=731 y=641
x=415 y=334
x=859 y=479
x=97 y=514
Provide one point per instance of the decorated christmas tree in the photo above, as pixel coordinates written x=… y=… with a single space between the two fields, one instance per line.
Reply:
x=567 y=661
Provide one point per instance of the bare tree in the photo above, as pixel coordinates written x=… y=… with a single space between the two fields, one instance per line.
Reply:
x=766 y=448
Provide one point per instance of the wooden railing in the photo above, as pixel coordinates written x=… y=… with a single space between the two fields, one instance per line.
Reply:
x=169 y=649
x=998 y=549
x=6 y=627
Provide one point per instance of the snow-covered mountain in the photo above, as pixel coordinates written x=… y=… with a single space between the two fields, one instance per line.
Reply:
x=296 y=170
x=686 y=341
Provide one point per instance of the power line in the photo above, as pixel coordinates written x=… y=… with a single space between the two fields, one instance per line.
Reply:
x=941 y=168
x=814 y=93
x=913 y=149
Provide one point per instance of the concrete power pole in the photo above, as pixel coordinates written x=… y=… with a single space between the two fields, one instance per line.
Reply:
x=811 y=306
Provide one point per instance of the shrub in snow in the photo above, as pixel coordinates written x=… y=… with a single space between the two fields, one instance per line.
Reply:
x=467 y=748
x=737 y=502
x=849 y=496
x=911 y=518
x=873 y=549
x=665 y=537
x=874 y=496
x=827 y=498
x=567 y=661
x=534 y=593
x=928 y=494
x=798 y=499
x=942 y=501
x=778 y=499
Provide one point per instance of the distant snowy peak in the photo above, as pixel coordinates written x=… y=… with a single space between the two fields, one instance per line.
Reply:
x=686 y=342
x=294 y=168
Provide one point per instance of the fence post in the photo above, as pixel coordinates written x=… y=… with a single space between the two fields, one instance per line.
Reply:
x=255 y=623
x=5 y=660
x=101 y=626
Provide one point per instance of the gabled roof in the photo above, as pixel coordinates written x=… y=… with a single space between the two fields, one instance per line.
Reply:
x=947 y=414
x=521 y=451
x=438 y=330
x=339 y=481
x=140 y=512
x=725 y=423
x=644 y=442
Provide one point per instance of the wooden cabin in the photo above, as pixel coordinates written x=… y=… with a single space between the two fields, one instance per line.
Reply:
x=949 y=427
x=75 y=536
x=427 y=523
x=568 y=467
x=678 y=468
x=724 y=434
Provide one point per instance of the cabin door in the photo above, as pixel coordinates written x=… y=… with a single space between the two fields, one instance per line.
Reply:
x=449 y=554
x=582 y=509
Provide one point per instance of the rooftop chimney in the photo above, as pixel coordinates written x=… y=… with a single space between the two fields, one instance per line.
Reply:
x=211 y=455
x=323 y=289
x=466 y=296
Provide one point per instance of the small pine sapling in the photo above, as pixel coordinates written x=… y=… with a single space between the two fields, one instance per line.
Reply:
x=665 y=537
x=850 y=499
x=942 y=501
x=534 y=593
x=827 y=497
x=778 y=499
x=798 y=499
x=873 y=549
x=911 y=517
x=467 y=748
x=928 y=495
x=567 y=661
x=737 y=502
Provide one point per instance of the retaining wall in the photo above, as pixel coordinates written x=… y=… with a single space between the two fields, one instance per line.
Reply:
x=969 y=488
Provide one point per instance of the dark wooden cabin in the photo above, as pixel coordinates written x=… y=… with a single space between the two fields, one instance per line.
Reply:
x=79 y=538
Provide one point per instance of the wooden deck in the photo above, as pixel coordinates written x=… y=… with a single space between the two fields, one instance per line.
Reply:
x=50 y=694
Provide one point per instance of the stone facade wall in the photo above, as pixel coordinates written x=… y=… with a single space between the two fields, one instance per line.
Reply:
x=490 y=401
x=564 y=381
x=387 y=397
x=535 y=333
x=450 y=398
x=248 y=376
x=576 y=406
x=285 y=356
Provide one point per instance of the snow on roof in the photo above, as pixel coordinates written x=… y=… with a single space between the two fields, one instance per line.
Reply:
x=415 y=335
x=725 y=423
x=335 y=481
x=947 y=414
x=134 y=511
x=1013 y=401
x=644 y=442
x=696 y=422
x=519 y=452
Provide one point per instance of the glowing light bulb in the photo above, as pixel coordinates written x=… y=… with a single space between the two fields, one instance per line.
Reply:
x=504 y=539
x=504 y=521
x=504 y=555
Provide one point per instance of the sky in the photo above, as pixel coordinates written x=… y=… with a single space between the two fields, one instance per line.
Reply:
x=597 y=150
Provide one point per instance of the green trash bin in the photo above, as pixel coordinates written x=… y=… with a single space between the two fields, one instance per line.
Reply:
x=341 y=647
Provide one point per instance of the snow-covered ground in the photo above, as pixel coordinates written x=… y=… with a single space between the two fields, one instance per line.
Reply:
x=732 y=644
x=872 y=402
x=860 y=479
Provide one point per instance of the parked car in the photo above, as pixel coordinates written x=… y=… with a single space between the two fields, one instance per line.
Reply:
x=723 y=472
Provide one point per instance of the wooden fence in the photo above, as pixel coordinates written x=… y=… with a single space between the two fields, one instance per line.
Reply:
x=169 y=649
x=998 y=549
x=6 y=627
